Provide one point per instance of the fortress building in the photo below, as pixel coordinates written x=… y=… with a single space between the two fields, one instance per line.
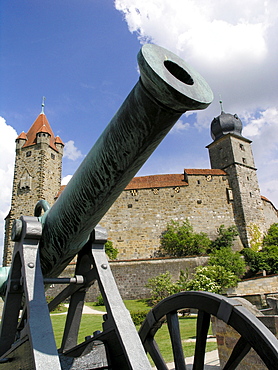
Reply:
x=227 y=194
x=37 y=174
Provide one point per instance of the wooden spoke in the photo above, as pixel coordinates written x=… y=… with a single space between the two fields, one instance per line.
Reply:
x=239 y=352
x=203 y=322
x=153 y=349
x=253 y=334
x=174 y=330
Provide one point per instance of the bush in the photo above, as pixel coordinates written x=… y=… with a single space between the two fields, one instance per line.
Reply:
x=271 y=238
x=180 y=240
x=138 y=316
x=251 y=258
x=59 y=308
x=161 y=287
x=99 y=301
x=110 y=250
x=226 y=237
x=267 y=258
x=213 y=279
x=231 y=261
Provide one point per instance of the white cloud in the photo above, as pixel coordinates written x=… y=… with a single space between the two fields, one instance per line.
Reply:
x=262 y=128
x=7 y=157
x=66 y=179
x=71 y=152
x=233 y=44
x=180 y=126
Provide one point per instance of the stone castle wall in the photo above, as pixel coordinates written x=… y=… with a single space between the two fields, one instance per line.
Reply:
x=255 y=286
x=139 y=216
x=269 y=212
x=132 y=276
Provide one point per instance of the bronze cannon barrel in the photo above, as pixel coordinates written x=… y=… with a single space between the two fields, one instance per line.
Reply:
x=167 y=88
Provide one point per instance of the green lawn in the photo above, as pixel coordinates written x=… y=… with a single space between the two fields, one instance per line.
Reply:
x=131 y=305
x=91 y=323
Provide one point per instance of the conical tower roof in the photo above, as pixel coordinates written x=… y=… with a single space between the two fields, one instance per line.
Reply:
x=41 y=124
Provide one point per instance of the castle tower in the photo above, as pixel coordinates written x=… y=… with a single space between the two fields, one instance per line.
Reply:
x=37 y=174
x=231 y=152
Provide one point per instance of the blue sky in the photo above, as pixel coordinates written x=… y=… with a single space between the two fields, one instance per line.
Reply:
x=81 y=55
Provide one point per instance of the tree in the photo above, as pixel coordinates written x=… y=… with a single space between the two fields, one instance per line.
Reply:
x=231 y=261
x=180 y=240
x=226 y=237
x=251 y=258
x=271 y=238
x=266 y=259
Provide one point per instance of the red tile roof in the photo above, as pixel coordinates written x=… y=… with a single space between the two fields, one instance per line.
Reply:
x=62 y=188
x=205 y=171
x=156 y=181
x=58 y=140
x=41 y=124
x=22 y=136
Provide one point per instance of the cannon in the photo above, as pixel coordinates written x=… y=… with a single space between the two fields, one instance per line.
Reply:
x=47 y=242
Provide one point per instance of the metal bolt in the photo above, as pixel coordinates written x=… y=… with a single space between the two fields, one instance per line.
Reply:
x=31 y=265
x=104 y=266
x=15 y=287
x=16 y=230
x=88 y=337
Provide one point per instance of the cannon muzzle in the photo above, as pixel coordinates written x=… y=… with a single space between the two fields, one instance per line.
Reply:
x=167 y=88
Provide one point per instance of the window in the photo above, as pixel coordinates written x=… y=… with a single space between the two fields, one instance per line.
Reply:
x=28 y=154
x=52 y=156
x=244 y=160
x=230 y=195
x=242 y=147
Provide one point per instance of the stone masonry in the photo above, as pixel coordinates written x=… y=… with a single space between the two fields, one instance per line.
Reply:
x=37 y=174
x=141 y=213
x=233 y=154
x=227 y=194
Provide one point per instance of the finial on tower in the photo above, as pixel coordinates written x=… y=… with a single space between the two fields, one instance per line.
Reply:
x=221 y=104
x=43 y=100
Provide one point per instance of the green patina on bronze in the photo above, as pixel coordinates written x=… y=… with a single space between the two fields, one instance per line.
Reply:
x=167 y=88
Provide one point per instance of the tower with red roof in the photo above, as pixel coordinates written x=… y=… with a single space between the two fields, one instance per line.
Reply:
x=37 y=173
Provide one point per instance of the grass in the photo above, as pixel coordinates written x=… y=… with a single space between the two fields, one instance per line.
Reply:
x=131 y=305
x=91 y=323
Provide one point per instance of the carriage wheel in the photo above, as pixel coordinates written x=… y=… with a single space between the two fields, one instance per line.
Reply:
x=253 y=334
